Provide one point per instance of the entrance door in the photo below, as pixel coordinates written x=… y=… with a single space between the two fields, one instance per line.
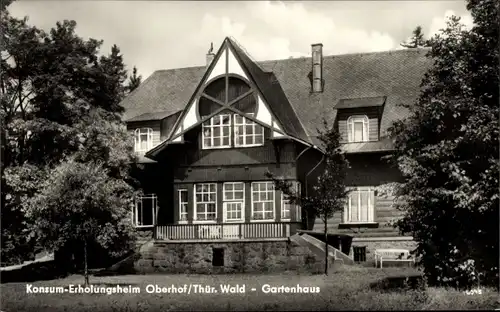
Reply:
x=233 y=212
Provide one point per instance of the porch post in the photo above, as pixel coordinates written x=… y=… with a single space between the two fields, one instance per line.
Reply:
x=220 y=202
x=248 y=202
x=191 y=207
x=277 y=205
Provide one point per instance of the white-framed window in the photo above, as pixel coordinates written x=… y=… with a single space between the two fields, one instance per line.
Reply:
x=359 y=206
x=216 y=132
x=357 y=129
x=234 y=201
x=287 y=207
x=247 y=132
x=205 y=199
x=183 y=205
x=143 y=139
x=263 y=201
x=145 y=210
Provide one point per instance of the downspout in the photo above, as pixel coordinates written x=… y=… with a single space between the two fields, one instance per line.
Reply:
x=308 y=173
x=317 y=165
x=296 y=161
x=302 y=153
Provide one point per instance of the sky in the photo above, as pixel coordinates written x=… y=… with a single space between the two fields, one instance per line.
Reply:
x=155 y=35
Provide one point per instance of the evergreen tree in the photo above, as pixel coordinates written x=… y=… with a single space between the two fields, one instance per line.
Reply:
x=417 y=40
x=449 y=154
x=112 y=89
x=134 y=80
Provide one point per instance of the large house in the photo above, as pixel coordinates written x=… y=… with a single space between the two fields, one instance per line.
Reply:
x=207 y=135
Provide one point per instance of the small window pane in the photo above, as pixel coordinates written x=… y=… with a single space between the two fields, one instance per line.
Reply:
x=358 y=131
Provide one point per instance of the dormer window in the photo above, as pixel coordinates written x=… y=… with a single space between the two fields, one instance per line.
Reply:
x=143 y=139
x=357 y=129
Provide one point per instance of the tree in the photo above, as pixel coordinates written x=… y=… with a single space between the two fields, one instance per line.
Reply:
x=19 y=184
x=58 y=98
x=112 y=89
x=134 y=80
x=329 y=192
x=447 y=150
x=4 y=4
x=417 y=40
x=79 y=202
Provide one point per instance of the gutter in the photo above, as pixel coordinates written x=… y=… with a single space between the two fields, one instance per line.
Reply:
x=303 y=152
x=314 y=168
x=306 y=179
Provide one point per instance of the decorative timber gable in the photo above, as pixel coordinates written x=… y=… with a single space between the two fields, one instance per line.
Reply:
x=225 y=65
x=229 y=65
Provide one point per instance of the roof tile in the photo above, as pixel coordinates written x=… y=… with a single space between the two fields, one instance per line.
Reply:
x=395 y=75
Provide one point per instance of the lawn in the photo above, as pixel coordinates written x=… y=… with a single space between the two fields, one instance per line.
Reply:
x=346 y=290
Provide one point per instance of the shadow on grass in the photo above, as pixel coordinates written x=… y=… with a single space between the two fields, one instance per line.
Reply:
x=122 y=267
x=403 y=282
x=41 y=271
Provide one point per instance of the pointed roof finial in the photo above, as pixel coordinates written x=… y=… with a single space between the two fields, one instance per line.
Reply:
x=211 y=48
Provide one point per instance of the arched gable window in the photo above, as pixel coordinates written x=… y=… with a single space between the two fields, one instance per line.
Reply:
x=143 y=139
x=229 y=129
x=357 y=129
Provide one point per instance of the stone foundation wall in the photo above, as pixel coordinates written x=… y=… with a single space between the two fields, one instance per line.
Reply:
x=372 y=245
x=238 y=257
x=144 y=235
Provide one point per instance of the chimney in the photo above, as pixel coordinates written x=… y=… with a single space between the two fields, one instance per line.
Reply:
x=317 y=67
x=210 y=58
x=210 y=54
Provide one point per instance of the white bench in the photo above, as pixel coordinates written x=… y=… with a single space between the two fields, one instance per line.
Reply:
x=392 y=255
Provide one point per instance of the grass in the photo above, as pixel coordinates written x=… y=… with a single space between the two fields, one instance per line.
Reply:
x=346 y=290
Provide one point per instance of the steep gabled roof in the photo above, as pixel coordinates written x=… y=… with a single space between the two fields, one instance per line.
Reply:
x=152 y=116
x=273 y=94
x=395 y=75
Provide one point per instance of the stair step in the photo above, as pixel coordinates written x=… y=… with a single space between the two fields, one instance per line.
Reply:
x=333 y=252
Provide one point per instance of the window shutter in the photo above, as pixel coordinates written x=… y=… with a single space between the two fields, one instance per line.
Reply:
x=349 y=130
x=371 y=216
x=150 y=138
x=136 y=139
x=365 y=129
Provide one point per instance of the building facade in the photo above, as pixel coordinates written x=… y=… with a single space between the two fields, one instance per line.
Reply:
x=206 y=136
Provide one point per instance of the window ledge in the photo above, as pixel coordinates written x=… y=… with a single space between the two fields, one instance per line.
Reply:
x=352 y=142
x=251 y=145
x=204 y=222
x=216 y=147
x=370 y=225
x=257 y=221
x=144 y=227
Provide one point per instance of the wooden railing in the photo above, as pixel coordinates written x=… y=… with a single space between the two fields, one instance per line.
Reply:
x=222 y=231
